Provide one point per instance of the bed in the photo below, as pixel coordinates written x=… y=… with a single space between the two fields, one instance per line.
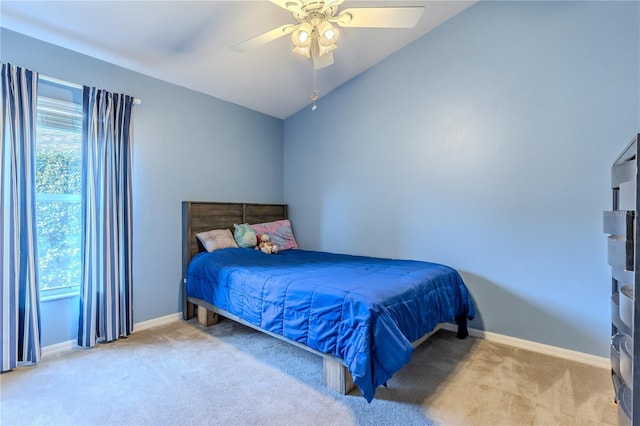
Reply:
x=362 y=315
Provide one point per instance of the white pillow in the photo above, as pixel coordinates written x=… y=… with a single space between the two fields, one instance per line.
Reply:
x=217 y=239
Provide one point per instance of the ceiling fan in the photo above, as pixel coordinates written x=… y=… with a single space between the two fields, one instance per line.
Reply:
x=315 y=36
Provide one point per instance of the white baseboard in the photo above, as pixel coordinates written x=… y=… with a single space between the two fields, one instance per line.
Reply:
x=59 y=347
x=70 y=344
x=168 y=319
x=584 y=358
x=593 y=360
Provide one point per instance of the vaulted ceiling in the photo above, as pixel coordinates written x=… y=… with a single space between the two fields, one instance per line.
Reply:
x=188 y=43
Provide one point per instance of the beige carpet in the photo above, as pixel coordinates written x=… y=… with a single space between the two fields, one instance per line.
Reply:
x=183 y=374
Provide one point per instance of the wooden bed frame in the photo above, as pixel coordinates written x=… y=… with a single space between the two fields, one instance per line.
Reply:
x=204 y=216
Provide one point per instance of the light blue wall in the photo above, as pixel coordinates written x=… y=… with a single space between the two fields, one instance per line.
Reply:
x=187 y=146
x=485 y=145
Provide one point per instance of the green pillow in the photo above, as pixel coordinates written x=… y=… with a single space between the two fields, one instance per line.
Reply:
x=244 y=235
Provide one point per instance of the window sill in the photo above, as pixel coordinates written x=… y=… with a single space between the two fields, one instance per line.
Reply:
x=59 y=296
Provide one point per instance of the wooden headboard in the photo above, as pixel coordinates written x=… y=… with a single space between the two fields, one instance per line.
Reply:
x=204 y=216
x=199 y=216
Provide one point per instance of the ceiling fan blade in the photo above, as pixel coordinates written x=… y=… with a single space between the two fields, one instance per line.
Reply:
x=264 y=38
x=290 y=5
x=380 y=17
x=329 y=4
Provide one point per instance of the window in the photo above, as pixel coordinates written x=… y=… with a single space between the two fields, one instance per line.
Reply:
x=58 y=185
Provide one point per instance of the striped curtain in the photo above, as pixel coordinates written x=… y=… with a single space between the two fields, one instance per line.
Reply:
x=106 y=292
x=19 y=298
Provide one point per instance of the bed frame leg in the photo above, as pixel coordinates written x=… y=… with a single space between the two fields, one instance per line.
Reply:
x=206 y=317
x=336 y=376
x=189 y=311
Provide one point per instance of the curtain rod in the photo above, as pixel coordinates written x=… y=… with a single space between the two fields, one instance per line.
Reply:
x=136 y=101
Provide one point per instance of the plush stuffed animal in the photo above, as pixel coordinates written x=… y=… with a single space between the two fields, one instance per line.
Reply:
x=265 y=245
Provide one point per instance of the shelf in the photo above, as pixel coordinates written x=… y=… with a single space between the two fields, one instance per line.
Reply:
x=620 y=252
x=620 y=326
x=619 y=222
x=623 y=172
x=625 y=402
x=622 y=275
x=623 y=243
x=626 y=361
x=625 y=300
x=615 y=353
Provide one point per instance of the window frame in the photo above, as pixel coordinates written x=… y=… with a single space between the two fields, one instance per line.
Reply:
x=71 y=108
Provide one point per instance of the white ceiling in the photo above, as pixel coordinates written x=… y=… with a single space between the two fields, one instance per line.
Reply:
x=187 y=43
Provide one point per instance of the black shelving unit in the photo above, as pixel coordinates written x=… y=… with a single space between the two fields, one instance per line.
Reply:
x=623 y=245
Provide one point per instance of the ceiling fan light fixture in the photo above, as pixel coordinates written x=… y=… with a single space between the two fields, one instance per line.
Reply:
x=322 y=57
x=328 y=35
x=302 y=51
x=323 y=50
x=301 y=37
x=314 y=35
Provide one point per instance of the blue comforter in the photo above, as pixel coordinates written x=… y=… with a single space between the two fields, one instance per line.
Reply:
x=364 y=310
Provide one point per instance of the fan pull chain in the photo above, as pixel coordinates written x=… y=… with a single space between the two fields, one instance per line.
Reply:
x=314 y=92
